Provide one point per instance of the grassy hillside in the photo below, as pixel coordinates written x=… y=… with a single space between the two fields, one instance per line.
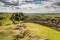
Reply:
x=5 y=19
x=43 y=31
x=34 y=30
x=36 y=25
x=49 y=20
x=9 y=18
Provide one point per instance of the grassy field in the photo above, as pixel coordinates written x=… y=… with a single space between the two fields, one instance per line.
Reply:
x=43 y=31
x=5 y=19
x=34 y=28
x=46 y=15
x=5 y=32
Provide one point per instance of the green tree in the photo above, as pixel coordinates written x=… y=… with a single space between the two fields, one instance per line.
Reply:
x=17 y=16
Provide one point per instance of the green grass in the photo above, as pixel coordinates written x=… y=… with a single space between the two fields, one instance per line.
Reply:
x=44 y=15
x=43 y=31
x=6 y=22
x=6 y=36
x=5 y=19
x=35 y=29
x=7 y=33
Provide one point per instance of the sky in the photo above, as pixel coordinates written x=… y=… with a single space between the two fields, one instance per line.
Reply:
x=30 y=6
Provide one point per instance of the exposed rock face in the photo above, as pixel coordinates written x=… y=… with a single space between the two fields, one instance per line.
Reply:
x=33 y=38
x=20 y=31
x=51 y=22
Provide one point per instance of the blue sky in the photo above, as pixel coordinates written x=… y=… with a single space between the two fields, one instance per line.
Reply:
x=30 y=6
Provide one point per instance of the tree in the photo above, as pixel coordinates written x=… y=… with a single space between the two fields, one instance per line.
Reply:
x=17 y=16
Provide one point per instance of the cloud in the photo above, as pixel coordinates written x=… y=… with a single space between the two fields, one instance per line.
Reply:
x=57 y=3
x=30 y=6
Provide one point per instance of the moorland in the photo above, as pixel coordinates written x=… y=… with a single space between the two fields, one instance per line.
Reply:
x=21 y=26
